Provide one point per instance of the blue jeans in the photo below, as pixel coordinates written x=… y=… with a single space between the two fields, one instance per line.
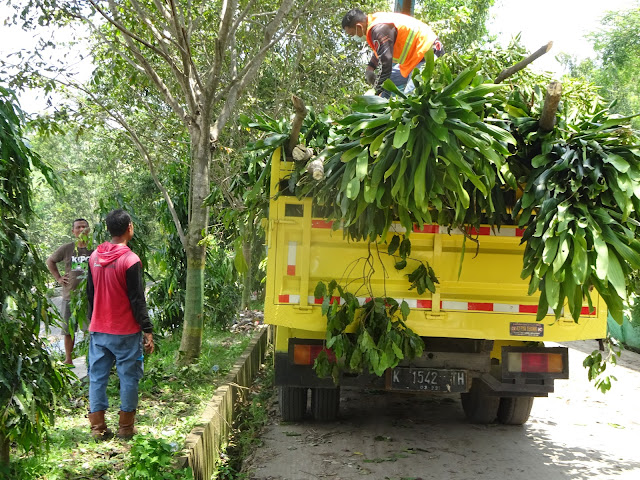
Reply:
x=126 y=352
x=404 y=84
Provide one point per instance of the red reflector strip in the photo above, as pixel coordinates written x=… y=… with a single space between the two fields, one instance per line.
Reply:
x=481 y=231
x=425 y=303
x=321 y=224
x=528 y=309
x=483 y=307
x=426 y=229
x=289 y=299
x=291 y=269
x=319 y=301
x=505 y=231
x=585 y=311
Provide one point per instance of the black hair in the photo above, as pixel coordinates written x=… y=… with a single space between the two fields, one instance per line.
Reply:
x=73 y=224
x=117 y=222
x=352 y=17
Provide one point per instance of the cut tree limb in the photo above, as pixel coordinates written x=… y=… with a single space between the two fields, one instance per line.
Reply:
x=316 y=169
x=301 y=112
x=507 y=72
x=551 y=100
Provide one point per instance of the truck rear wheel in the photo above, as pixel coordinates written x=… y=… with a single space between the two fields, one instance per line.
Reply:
x=479 y=406
x=325 y=403
x=514 y=410
x=293 y=403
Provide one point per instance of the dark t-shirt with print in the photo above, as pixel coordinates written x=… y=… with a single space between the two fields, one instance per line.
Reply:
x=76 y=260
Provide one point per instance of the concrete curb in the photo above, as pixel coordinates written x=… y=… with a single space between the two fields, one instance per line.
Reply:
x=204 y=443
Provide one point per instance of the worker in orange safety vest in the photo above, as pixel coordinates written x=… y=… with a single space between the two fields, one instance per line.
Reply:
x=399 y=43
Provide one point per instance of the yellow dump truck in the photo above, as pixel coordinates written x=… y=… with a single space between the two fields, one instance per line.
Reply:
x=479 y=328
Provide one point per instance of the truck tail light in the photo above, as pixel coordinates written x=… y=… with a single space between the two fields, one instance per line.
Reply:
x=306 y=354
x=535 y=362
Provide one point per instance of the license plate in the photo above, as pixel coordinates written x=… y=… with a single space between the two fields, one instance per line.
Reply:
x=428 y=379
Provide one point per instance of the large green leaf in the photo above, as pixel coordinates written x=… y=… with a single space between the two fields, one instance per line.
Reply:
x=579 y=262
x=616 y=276
x=402 y=135
x=353 y=188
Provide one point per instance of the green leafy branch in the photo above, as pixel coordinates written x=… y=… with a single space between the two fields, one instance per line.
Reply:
x=380 y=338
x=596 y=364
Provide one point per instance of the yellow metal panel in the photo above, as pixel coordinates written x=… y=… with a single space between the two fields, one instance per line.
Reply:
x=283 y=334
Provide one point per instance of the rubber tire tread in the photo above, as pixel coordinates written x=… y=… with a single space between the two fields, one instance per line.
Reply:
x=293 y=403
x=515 y=410
x=325 y=403
x=480 y=407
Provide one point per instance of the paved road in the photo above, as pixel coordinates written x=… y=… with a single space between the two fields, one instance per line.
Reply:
x=576 y=433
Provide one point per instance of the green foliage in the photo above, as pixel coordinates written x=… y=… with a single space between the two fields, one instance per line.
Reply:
x=596 y=364
x=30 y=381
x=580 y=209
x=152 y=459
x=82 y=181
x=381 y=338
x=172 y=399
x=617 y=64
x=458 y=23
x=221 y=291
x=435 y=156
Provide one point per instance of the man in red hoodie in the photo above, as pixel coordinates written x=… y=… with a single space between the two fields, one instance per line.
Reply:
x=119 y=324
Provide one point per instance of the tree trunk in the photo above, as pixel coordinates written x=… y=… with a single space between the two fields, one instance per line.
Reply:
x=551 y=101
x=191 y=342
x=4 y=450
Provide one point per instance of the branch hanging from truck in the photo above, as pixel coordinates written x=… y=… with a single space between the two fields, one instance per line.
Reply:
x=507 y=72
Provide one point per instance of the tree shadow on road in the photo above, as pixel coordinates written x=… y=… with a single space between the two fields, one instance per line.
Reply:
x=387 y=435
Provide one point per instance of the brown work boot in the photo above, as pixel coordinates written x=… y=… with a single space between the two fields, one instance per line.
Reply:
x=99 y=430
x=127 y=430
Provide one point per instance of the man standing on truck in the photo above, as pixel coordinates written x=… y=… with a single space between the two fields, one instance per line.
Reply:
x=399 y=43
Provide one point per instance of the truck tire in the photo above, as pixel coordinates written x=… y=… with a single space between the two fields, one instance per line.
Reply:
x=325 y=403
x=293 y=403
x=479 y=406
x=514 y=410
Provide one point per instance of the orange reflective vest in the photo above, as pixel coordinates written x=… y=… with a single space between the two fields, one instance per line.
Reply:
x=414 y=38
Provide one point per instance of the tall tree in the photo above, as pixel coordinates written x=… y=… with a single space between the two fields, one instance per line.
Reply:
x=199 y=57
x=458 y=23
x=617 y=64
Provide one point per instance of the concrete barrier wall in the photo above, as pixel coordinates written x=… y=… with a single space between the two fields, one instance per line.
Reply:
x=204 y=444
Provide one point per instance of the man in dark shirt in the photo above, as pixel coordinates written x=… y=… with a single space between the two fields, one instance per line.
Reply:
x=399 y=43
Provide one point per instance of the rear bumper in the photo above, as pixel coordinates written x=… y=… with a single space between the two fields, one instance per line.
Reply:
x=477 y=364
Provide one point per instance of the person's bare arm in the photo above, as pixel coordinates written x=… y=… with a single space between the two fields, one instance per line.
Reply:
x=52 y=265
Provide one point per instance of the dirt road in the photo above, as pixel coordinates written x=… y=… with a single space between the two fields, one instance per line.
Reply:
x=575 y=433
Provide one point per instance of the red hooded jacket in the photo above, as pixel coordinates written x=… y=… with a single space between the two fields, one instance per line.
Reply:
x=116 y=294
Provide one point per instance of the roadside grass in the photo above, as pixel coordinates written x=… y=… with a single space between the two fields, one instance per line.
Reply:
x=172 y=397
x=251 y=418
